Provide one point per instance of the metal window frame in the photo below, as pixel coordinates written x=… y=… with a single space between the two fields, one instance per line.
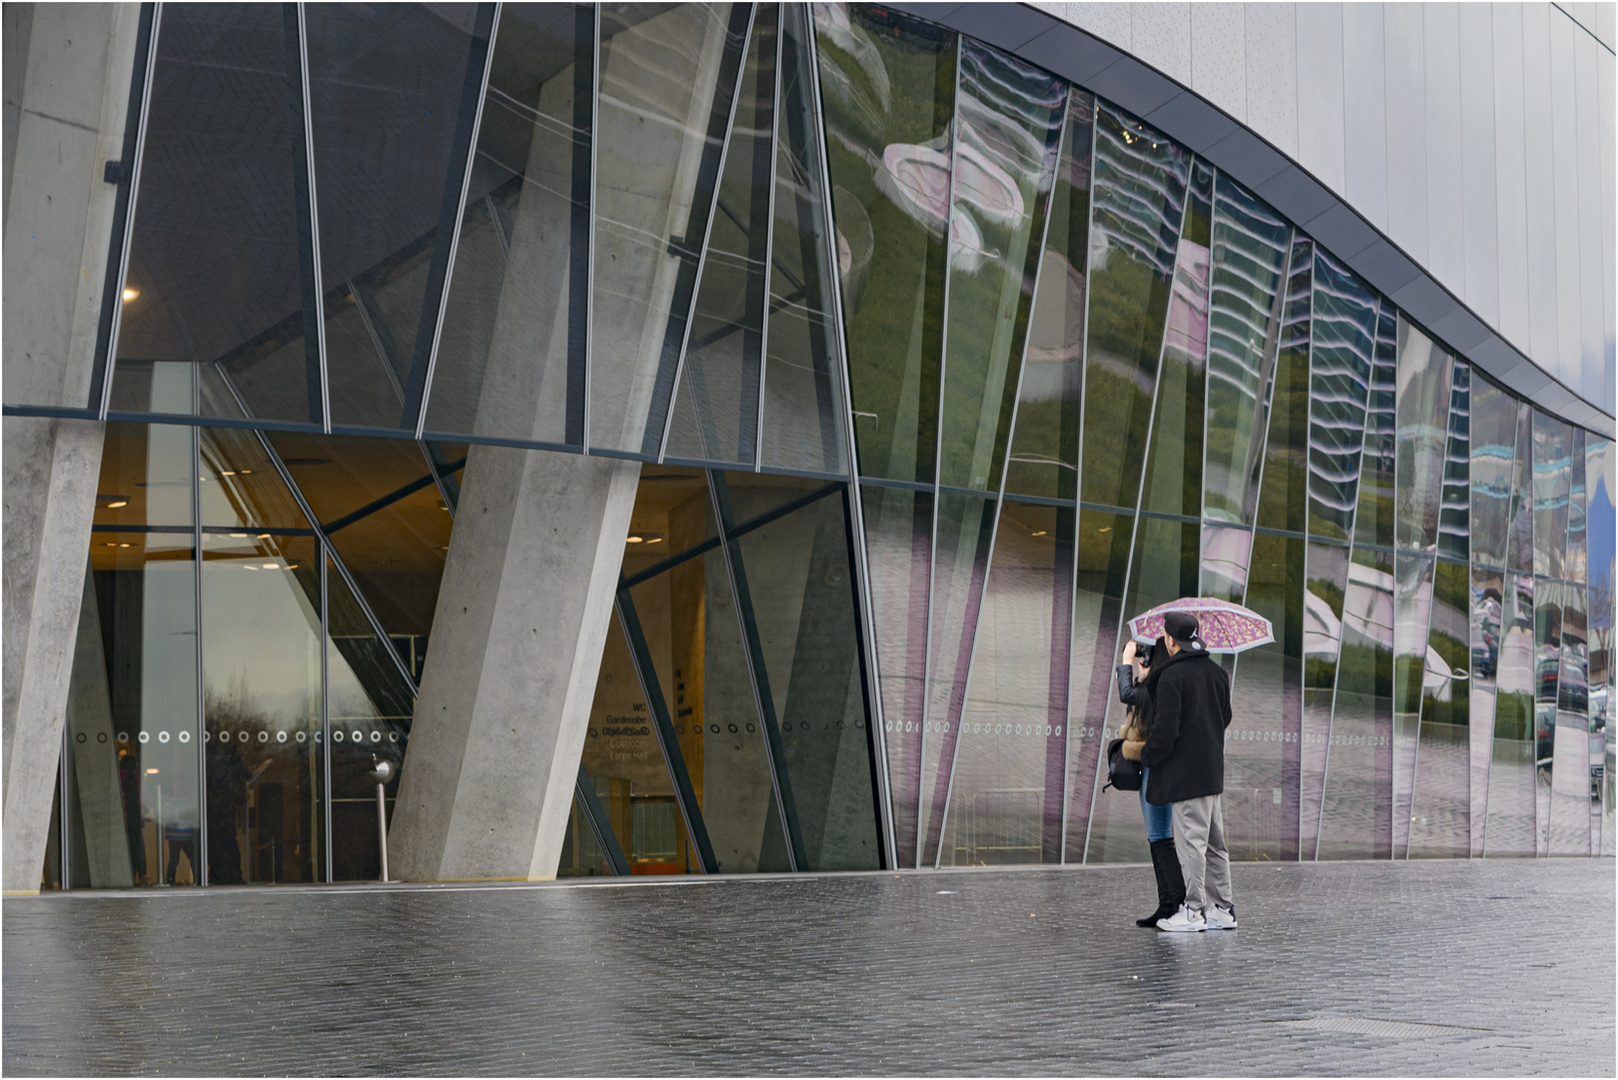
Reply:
x=778 y=99
x=595 y=817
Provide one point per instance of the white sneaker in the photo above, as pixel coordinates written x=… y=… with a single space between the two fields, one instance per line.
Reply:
x=1184 y=921
x=1218 y=918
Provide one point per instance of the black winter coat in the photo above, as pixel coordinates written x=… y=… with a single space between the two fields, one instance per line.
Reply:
x=1190 y=712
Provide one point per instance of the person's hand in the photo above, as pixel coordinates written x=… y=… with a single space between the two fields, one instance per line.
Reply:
x=1129 y=651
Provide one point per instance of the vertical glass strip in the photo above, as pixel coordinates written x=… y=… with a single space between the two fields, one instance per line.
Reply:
x=1101 y=565
x=511 y=349
x=1423 y=403
x=1511 y=801
x=1548 y=603
x=888 y=84
x=1553 y=481
x=1520 y=540
x=1373 y=521
x=1455 y=501
x=1283 y=476
x=803 y=423
x=1009 y=119
x=715 y=415
x=1575 y=565
x=1598 y=473
x=1413 y=600
x=1139 y=200
x=1250 y=246
x=1340 y=361
x=1487 y=609
x=1325 y=584
x=1044 y=457
x=1441 y=798
x=1493 y=420
x=1571 y=786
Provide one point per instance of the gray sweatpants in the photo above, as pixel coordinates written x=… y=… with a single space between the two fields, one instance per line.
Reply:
x=1199 y=840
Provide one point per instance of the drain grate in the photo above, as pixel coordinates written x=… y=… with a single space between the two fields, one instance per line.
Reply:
x=1387 y=1029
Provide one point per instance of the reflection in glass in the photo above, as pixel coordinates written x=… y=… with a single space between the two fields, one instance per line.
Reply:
x=1373 y=521
x=1493 y=421
x=803 y=393
x=1511 y=803
x=1138 y=204
x=659 y=132
x=1600 y=461
x=1575 y=566
x=888 y=86
x=1440 y=809
x=962 y=535
x=1101 y=564
x=389 y=99
x=898 y=540
x=1520 y=549
x=1454 y=502
x=1424 y=397
x=1174 y=468
x=1340 y=360
x=145 y=477
x=1413 y=598
x=1571 y=780
x=1250 y=247
x=1553 y=479
x=1009 y=122
x=220 y=267
x=1044 y=456
x=1548 y=605
x=1284 y=470
x=1005 y=800
x=511 y=348
x=715 y=415
x=581 y=854
x=1356 y=820
x=1326 y=579
x=1486 y=630
x=1226 y=552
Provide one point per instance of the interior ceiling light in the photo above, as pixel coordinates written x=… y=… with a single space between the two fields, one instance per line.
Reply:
x=238 y=536
x=227 y=472
x=117 y=504
x=151 y=772
x=635 y=540
x=263 y=536
x=272 y=566
x=130 y=294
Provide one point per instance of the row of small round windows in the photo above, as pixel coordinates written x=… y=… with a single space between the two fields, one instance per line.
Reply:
x=338 y=735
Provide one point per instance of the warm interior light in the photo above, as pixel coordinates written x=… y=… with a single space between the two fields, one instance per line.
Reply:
x=227 y=472
x=1107 y=529
x=263 y=536
x=246 y=472
x=1040 y=532
x=116 y=505
x=109 y=543
x=238 y=536
x=130 y=294
x=634 y=540
x=271 y=566
x=123 y=545
x=654 y=540
x=151 y=772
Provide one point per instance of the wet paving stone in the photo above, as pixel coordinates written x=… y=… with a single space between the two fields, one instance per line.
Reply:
x=1439 y=968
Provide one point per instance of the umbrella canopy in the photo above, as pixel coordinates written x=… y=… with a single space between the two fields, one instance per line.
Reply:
x=1226 y=627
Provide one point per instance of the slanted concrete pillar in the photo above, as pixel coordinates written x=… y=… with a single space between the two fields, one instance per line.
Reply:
x=74 y=88
x=529 y=583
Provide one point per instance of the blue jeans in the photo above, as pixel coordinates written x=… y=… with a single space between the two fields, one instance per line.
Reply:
x=1159 y=819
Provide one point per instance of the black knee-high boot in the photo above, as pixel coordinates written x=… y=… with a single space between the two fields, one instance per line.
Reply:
x=1170 y=882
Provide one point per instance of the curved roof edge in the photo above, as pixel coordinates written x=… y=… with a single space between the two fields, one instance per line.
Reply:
x=1174 y=109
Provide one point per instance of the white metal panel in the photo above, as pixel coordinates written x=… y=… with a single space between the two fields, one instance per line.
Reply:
x=1405 y=59
x=1481 y=212
x=1365 y=121
x=1161 y=36
x=1272 y=74
x=1511 y=185
x=1219 y=56
x=1606 y=69
x=1592 y=303
x=1539 y=195
x=1320 y=93
x=1446 y=226
x=1109 y=22
x=1565 y=159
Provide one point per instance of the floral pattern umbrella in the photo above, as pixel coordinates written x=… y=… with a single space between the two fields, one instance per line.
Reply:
x=1225 y=627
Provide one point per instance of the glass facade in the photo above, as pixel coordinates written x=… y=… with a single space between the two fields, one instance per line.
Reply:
x=938 y=368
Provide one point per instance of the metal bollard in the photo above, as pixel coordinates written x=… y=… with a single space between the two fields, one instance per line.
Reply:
x=382 y=772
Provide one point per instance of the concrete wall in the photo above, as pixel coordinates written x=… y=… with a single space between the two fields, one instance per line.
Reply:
x=67 y=95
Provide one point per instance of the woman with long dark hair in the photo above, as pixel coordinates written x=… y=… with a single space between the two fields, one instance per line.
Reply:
x=1134 y=692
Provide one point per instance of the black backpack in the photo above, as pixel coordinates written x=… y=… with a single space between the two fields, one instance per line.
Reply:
x=1122 y=773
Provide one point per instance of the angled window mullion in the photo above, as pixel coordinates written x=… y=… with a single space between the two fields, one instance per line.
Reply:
x=595 y=816
x=308 y=209
x=363 y=308
x=696 y=830
x=325 y=706
x=448 y=489
x=855 y=506
x=671 y=360
x=201 y=872
x=1078 y=487
x=757 y=674
x=767 y=255
x=123 y=218
x=452 y=207
x=1000 y=498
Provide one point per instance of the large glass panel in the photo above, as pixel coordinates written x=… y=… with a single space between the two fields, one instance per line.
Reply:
x=803 y=603
x=581 y=854
x=1424 y=390
x=1138 y=203
x=961 y=538
x=1005 y=800
x=103 y=831
x=1574 y=565
x=1284 y=476
x=145 y=478
x=369 y=709
x=377 y=501
x=1548 y=604
x=1343 y=343
x=667 y=76
x=1009 y=122
x=1262 y=749
x=1413 y=599
x=220 y=267
x=1356 y=820
x=1325 y=582
x=1511 y=809
x=262 y=691
x=1488 y=608
x=888 y=86
x=1455 y=501
x=389 y=100
x=1571 y=781
x=511 y=349
x=1553 y=479
x=1373 y=521
x=1493 y=419
x=803 y=387
x=1250 y=246
x=1101 y=565
x=1598 y=470
x=715 y=415
x=1441 y=805
x=1520 y=539
x=1226 y=551
x=1174 y=469
x=899 y=545
x=1045 y=445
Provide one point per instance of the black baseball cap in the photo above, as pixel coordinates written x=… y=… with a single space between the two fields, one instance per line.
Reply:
x=1185 y=629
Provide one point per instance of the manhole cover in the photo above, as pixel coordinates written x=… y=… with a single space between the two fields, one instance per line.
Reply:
x=1387 y=1029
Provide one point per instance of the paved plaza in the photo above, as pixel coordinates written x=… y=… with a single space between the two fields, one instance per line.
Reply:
x=1441 y=968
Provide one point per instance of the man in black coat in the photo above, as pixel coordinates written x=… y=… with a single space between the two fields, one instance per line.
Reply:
x=1186 y=754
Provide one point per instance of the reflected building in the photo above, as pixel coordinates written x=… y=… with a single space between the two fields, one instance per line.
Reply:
x=572 y=440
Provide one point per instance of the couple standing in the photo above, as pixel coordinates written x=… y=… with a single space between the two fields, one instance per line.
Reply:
x=1176 y=730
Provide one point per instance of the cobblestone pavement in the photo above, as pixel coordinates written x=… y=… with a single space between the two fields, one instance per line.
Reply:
x=1441 y=968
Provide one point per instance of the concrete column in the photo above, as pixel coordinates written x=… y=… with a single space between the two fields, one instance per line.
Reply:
x=74 y=86
x=529 y=583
